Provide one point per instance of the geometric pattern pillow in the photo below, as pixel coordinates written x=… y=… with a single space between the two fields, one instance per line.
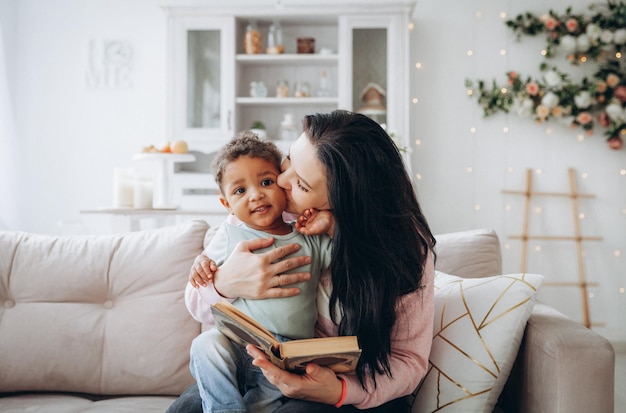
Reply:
x=479 y=324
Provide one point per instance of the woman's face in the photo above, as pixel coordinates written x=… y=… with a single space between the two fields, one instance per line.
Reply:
x=303 y=178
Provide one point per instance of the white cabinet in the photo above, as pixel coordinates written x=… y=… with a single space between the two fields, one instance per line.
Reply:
x=210 y=99
x=201 y=85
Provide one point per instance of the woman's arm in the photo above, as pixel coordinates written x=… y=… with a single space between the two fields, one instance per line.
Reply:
x=250 y=275
x=412 y=340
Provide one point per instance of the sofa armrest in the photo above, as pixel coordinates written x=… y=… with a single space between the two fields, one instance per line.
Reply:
x=561 y=367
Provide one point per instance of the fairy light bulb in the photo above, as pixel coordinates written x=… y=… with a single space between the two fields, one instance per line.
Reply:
x=473 y=129
x=544 y=52
x=584 y=175
x=581 y=216
x=502 y=15
x=418 y=176
x=476 y=207
x=580 y=137
x=622 y=290
x=622 y=172
x=418 y=65
x=537 y=248
x=470 y=53
x=505 y=129
x=414 y=100
x=418 y=142
x=411 y=26
x=502 y=52
x=538 y=171
x=617 y=253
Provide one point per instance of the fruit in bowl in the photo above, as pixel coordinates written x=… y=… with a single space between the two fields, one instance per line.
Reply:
x=179 y=146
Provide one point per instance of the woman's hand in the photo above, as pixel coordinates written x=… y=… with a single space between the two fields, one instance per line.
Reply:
x=249 y=275
x=318 y=384
x=315 y=222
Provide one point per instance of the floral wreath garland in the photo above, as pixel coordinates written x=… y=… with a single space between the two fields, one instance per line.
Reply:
x=600 y=38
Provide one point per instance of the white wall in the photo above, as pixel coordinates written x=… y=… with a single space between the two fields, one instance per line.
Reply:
x=442 y=119
x=74 y=134
x=75 y=131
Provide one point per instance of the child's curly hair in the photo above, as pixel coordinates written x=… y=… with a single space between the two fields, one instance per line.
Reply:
x=247 y=143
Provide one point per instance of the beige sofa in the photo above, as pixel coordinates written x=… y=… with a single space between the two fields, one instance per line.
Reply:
x=98 y=324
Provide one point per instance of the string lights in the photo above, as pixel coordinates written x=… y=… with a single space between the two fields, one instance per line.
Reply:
x=471 y=53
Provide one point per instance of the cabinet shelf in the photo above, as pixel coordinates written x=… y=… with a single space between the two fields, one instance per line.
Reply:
x=291 y=58
x=287 y=101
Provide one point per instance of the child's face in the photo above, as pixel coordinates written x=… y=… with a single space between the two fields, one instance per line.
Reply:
x=250 y=193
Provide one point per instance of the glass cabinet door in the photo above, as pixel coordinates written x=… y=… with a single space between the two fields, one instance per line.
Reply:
x=202 y=81
x=374 y=75
x=374 y=71
x=369 y=72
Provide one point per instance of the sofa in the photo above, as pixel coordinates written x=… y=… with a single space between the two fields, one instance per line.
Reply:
x=98 y=324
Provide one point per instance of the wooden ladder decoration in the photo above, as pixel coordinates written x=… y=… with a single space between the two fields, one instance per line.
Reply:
x=582 y=283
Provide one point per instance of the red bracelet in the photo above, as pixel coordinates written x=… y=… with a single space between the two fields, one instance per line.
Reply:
x=343 y=393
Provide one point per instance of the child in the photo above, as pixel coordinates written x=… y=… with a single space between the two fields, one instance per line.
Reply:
x=245 y=171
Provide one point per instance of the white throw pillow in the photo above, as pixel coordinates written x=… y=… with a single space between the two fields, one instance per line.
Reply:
x=479 y=324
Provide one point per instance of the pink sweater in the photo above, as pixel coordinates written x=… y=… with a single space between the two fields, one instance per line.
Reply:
x=410 y=347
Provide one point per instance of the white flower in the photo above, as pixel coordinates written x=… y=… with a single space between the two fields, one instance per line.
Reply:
x=568 y=43
x=593 y=31
x=615 y=112
x=583 y=99
x=553 y=79
x=583 y=43
x=550 y=100
x=606 y=36
x=525 y=108
x=619 y=37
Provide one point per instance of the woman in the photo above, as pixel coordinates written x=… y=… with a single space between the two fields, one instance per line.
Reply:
x=381 y=274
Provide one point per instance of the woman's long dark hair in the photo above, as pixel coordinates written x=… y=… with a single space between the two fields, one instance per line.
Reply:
x=381 y=238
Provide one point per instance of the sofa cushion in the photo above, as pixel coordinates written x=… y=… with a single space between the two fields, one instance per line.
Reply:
x=479 y=324
x=97 y=314
x=469 y=254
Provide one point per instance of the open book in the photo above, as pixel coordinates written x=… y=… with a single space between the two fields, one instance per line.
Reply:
x=341 y=354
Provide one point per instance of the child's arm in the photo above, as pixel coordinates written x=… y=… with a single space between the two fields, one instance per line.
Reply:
x=202 y=271
x=315 y=222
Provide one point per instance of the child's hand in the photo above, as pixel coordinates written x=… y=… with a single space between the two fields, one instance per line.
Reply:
x=314 y=222
x=202 y=271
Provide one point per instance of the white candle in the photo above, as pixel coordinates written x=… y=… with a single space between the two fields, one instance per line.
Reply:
x=123 y=188
x=143 y=193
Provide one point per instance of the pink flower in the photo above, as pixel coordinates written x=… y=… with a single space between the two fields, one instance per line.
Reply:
x=572 y=25
x=583 y=118
x=532 y=88
x=604 y=120
x=612 y=80
x=512 y=77
x=551 y=23
x=615 y=143
x=601 y=87
x=620 y=93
